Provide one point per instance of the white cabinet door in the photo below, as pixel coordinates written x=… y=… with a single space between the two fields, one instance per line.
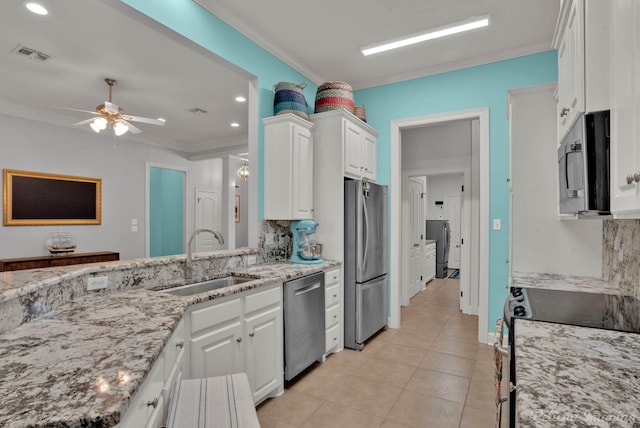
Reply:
x=288 y=168
x=353 y=153
x=359 y=152
x=369 y=143
x=264 y=352
x=216 y=339
x=217 y=353
x=625 y=146
x=302 y=193
x=571 y=69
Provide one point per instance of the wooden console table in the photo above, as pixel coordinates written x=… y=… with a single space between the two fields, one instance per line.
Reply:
x=58 y=260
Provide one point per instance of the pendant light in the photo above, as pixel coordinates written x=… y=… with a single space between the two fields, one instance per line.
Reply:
x=243 y=172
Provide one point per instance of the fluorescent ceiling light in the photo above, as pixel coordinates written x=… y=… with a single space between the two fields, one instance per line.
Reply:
x=447 y=30
x=37 y=8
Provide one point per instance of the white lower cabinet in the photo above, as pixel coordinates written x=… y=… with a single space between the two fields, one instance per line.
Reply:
x=149 y=405
x=240 y=333
x=430 y=262
x=333 y=310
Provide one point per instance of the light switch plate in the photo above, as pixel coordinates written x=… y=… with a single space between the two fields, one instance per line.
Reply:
x=97 y=283
x=268 y=238
x=251 y=260
x=497 y=224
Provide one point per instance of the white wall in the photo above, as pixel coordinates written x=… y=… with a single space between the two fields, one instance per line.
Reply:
x=438 y=188
x=541 y=242
x=35 y=146
x=437 y=146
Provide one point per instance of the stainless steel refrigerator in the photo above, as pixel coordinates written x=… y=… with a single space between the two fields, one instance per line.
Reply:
x=440 y=231
x=365 y=261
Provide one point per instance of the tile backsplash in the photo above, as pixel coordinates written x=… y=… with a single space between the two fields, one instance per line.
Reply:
x=275 y=241
x=621 y=255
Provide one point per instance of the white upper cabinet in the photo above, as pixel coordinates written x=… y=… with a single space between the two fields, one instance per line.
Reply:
x=582 y=41
x=625 y=88
x=356 y=139
x=288 y=168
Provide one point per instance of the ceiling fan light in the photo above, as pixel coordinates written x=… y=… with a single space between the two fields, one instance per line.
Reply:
x=120 y=128
x=100 y=123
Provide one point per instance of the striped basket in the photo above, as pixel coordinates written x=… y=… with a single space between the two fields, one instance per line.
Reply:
x=290 y=99
x=360 y=113
x=333 y=96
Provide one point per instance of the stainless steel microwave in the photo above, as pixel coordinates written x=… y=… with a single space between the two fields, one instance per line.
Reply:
x=583 y=166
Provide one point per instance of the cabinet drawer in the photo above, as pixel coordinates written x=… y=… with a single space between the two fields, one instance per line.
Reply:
x=332 y=316
x=332 y=277
x=331 y=295
x=332 y=337
x=215 y=314
x=262 y=299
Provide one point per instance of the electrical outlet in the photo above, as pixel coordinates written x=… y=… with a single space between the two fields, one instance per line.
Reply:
x=497 y=224
x=251 y=260
x=97 y=283
x=268 y=239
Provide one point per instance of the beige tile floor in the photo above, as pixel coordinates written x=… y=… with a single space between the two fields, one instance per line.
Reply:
x=431 y=372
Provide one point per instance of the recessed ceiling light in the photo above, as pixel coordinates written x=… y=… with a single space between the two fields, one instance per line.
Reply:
x=235 y=124
x=37 y=8
x=241 y=99
x=435 y=33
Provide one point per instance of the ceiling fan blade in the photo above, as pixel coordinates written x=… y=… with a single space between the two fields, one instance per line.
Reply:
x=145 y=120
x=84 y=122
x=111 y=107
x=76 y=109
x=132 y=128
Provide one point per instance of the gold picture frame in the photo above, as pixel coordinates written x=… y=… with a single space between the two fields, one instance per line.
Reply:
x=39 y=199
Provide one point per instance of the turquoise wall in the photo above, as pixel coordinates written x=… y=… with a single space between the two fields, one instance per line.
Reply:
x=166 y=207
x=474 y=87
x=482 y=86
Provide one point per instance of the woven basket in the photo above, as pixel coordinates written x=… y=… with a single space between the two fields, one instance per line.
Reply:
x=334 y=96
x=360 y=113
x=290 y=99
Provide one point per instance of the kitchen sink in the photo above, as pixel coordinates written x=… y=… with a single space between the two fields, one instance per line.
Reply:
x=203 y=287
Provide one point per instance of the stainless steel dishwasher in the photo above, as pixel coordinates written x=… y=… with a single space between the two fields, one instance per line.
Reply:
x=304 y=340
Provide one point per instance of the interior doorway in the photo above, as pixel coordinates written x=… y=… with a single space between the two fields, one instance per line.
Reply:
x=166 y=191
x=477 y=245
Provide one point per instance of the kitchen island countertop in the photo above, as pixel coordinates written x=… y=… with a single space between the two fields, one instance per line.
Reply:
x=78 y=364
x=570 y=376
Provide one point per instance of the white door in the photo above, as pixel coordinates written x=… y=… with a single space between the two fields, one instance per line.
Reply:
x=207 y=217
x=452 y=213
x=416 y=233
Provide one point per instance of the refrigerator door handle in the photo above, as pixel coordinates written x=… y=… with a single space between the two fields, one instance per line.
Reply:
x=365 y=231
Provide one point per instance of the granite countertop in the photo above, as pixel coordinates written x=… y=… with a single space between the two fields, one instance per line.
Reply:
x=78 y=364
x=563 y=282
x=430 y=241
x=82 y=362
x=570 y=376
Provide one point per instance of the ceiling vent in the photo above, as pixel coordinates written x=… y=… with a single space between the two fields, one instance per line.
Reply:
x=31 y=53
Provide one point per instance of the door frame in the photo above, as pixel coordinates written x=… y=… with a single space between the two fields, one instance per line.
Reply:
x=465 y=230
x=396 y=126
x=185 y=202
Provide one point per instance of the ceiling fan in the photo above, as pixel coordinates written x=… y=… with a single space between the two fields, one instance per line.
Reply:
x=110 y=114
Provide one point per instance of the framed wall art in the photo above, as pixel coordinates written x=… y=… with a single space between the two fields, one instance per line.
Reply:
x=37 y=198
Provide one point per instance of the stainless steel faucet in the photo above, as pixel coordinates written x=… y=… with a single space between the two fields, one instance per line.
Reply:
x=188 y=269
